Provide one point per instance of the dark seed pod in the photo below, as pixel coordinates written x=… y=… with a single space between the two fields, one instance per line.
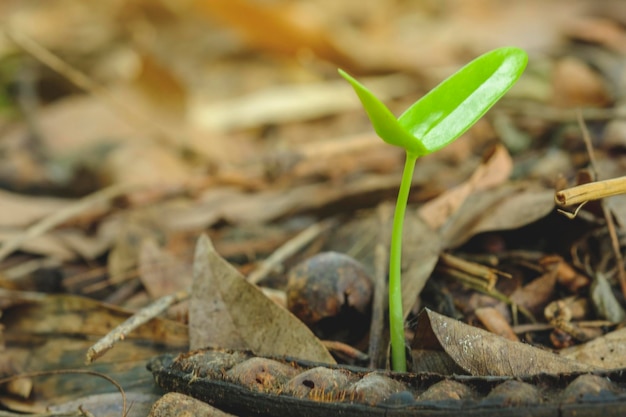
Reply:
x=331 y=293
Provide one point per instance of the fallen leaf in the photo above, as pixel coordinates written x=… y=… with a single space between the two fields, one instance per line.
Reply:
x=496 y=323
x=21 y=211
x=48 y=332
x=420 y=252
x=109 y=405
x=286 y=104
x=275 y=28
x=63 y=245
x=598 y=30
x=536 y=295
x=606 y=352
x=481 y=353
x=237 y=207
x=494 y=170
x=145 y=163
x=160 y=272
x=604 y=300
x=576 y=85
x=227 y=311
x=138 y=226
x=505 y=207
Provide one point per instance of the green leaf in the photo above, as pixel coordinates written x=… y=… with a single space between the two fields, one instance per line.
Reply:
x=452 y=107
x=446 y=112
x=385 y=123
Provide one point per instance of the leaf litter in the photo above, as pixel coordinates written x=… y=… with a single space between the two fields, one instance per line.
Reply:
x=258 y=175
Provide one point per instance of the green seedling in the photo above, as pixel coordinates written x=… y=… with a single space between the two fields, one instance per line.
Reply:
x=431 y=123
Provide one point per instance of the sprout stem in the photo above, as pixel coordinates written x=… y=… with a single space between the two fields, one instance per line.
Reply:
x=396 y=315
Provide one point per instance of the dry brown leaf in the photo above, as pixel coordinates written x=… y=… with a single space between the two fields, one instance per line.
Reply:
x=21 y=211
x=73 y=126
x=606 y=352
x=72 y=315
x=46 y=332
x=108 y=405
x=160 y=272
x=506 y=207
x=276 y=28
x=577 y=85
x=227 y=311
x=64 y=244
x=598 y=30
x=138 y=226
x=536 y=295
x=604 y=300
x=494 y=170
x=481 y=353
x=285 y=104
x=235 y=206
x=420 y=252
x=147 y=164
x=496 y=323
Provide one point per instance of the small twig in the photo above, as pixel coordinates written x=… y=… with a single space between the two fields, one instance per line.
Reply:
x=288 y=249
x=591 y=191
x=85 y=412
x=142 y=316
x=605 y=211
x=345 y=349
x=379 y=334
x=71 y=371
x=56 y=218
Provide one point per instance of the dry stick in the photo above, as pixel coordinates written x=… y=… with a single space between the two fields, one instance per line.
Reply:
x=135 y=118
x=605 y=211
x=288 y=249
x=71 y=371
x=379 y=338
x=379 y=341
x=53 y=220
x=345 y=349
x=591 y=191
x=141 y=317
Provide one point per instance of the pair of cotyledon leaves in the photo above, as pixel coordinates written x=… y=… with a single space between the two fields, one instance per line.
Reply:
x=447 y=111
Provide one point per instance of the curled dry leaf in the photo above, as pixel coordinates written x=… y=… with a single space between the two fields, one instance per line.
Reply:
x=536 y=295
x=496 y=323
x=607 y=352
x=494 y=170
x=479 y=352
x=228 y=311
x=505 y=207
x=604 y=300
